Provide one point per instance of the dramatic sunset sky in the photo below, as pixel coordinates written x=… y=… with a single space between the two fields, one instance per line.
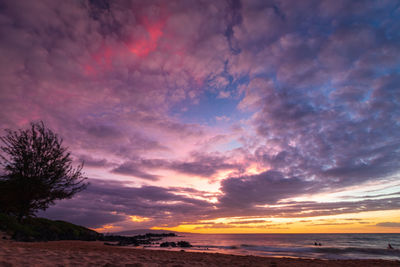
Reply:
x=214 y=116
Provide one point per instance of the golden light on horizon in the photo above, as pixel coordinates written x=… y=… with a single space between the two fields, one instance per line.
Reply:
x=364 y=222
x=104 y=228
x=135 y=218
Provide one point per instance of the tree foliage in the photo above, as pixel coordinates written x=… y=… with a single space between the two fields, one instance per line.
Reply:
x=37 y=170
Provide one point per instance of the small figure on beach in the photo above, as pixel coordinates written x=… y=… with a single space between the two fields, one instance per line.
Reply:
x=315 y=244
x=389 y=246
x=319 y=244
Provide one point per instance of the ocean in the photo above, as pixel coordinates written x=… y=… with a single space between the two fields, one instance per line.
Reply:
x=333 y=246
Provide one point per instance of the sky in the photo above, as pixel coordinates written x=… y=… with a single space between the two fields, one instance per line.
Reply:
x=205 y=116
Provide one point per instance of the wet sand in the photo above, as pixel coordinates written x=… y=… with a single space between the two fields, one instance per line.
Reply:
x=82 y=253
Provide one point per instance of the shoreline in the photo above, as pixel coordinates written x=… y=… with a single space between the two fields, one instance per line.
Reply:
x=95 y=253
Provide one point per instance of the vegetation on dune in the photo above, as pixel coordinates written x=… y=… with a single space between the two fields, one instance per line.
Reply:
x=35 y=171
x=40 y=229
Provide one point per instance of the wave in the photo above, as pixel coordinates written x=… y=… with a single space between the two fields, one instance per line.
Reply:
x=335 y=246
x=217 y=247
x=324 y=250
x=303 y=251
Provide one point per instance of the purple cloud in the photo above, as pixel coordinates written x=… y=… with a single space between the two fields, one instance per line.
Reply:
x=131 y=169
x=204 y=165
x=268 y=100
x=107 y=202
x=110 y=202
x=93 y=162
x=265 y=188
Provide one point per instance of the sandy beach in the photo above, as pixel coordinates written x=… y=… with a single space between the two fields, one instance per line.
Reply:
x=83 y=253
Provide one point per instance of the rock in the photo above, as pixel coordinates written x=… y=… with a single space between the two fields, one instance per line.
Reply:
x=184 y=244
x=167 y=244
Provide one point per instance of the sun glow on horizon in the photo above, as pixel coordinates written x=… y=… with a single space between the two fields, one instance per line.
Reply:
x=134 y=218
x=105 y=228
x=364 y=222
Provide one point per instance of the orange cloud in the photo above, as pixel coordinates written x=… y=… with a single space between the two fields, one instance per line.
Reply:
x=139 y=219
x=104 y=228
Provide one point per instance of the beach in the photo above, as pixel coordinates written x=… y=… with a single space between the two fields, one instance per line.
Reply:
x=85 y=253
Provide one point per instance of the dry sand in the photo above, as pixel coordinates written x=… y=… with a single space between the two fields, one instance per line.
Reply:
x=82 y=253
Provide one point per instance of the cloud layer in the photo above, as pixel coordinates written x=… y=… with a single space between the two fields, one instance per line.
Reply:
x=192 y=110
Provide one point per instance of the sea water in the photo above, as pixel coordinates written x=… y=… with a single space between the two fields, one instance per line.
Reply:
x=333 y=246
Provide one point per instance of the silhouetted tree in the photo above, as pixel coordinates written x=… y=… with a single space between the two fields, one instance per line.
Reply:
x=37 y=170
